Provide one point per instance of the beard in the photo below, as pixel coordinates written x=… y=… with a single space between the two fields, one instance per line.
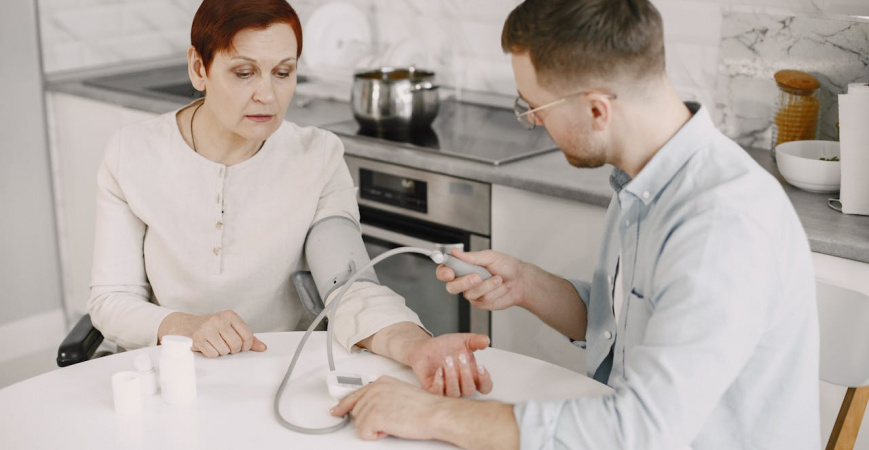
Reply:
x=581 y=150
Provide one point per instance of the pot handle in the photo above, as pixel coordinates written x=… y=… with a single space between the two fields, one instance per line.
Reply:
x=424 y=86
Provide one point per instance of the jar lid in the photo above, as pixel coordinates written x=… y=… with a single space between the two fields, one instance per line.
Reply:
x=796 y=82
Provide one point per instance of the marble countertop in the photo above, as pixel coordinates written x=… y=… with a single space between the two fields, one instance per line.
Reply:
x=829 y=232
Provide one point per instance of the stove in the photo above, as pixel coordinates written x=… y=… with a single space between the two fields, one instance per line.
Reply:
x=464 y=130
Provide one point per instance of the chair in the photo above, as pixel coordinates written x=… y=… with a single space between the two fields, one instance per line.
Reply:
x=83 y=340
x=80 y=344
x=843 y=315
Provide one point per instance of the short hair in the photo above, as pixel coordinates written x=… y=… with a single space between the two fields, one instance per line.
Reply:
x=572 y=40
x=218 y=21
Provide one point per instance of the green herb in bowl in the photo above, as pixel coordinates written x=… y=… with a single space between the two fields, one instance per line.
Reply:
x=835 y=158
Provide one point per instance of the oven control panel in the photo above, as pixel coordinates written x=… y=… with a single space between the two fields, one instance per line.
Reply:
x=419 y=194
x=396 y=190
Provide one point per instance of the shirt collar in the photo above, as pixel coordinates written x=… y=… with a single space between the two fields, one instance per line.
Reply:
x=664 y=165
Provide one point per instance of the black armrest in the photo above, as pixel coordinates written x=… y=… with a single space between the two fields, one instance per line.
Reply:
x=80 y=344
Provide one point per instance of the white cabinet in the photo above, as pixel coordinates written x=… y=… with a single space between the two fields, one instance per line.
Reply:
x=561 y=236
x=79 y=131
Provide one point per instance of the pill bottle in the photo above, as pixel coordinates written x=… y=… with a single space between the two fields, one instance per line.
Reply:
x=177 y=370
x=147 y=374
x=797 y=106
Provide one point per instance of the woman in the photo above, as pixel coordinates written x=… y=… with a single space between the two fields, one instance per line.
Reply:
x=203 y=213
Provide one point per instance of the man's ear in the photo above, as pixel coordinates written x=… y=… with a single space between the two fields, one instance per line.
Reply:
x=601 y=110
x=195 y=69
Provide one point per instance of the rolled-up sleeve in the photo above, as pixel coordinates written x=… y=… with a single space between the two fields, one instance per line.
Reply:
x=707 y=312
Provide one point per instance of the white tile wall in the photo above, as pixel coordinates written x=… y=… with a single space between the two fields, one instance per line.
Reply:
x=458 y=39
x=87 y=33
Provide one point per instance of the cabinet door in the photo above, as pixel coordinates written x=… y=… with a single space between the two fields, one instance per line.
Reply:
x=561 y=236
x=79 y=130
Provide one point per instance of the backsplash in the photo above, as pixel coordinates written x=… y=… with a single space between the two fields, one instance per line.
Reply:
x=755 y=46
x=719 y=52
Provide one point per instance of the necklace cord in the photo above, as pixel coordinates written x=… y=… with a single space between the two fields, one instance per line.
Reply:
x=193 y=136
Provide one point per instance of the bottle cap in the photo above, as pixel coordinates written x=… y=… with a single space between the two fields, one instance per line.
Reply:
x=143 y=363
x=176 y=344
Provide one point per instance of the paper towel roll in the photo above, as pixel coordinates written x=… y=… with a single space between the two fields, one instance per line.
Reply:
x=127 y=392
x=854 y=149
x=858 y=88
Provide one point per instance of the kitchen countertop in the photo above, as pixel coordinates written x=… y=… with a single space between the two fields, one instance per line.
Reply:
x=829 y=232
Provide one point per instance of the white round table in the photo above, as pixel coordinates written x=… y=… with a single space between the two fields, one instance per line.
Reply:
x=72 y=407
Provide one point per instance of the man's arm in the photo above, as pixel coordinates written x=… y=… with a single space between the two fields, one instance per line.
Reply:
x=389 y=407
x=555 y=301
x=515 y=283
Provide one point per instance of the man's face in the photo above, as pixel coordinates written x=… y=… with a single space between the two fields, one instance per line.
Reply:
x=569 y=123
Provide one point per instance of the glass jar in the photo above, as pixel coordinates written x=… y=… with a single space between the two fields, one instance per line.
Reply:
x=796 y=117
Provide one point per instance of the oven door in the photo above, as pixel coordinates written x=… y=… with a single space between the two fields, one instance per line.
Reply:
x=413 y=277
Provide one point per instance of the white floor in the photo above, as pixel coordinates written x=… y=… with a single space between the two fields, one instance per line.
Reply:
x=27 y=366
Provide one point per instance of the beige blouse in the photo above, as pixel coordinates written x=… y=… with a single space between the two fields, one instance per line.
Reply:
x=178 y=232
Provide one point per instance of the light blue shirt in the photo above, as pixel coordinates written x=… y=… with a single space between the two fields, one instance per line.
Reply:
x=717 y=341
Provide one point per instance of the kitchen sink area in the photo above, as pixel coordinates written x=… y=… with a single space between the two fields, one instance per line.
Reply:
x=169 y=83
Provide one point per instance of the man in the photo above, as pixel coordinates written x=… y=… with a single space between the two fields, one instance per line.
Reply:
x=701 y=314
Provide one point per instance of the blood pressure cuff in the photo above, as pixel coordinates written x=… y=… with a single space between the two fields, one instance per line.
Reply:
x=334 y=251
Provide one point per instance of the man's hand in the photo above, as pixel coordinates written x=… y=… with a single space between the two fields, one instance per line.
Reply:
x=445 y=365
x=504 y=289
x=391 y=407
x=213 y=335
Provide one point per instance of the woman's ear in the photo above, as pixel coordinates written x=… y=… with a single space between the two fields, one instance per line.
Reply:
x=195 y=69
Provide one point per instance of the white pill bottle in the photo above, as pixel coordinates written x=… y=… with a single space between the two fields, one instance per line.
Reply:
x=177 y=370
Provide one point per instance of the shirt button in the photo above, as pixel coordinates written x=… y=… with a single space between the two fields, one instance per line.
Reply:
x=628 y=223
x=219 y=225
x=216 y=251
x=609 y=279
x=221 y=172
x=646 y=195
x=607 y=335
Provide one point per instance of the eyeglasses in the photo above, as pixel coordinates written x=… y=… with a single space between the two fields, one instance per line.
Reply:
x=527 y=117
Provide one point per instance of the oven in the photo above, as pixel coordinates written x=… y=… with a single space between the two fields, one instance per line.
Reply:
x=400 y=207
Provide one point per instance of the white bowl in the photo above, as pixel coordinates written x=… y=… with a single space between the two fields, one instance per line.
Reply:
x=800 y=164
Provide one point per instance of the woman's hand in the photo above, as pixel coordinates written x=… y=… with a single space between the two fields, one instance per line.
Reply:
x=504 y=289
x=445 y=365
x=213 y=335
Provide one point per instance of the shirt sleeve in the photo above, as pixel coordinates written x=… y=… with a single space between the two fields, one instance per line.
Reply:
x=367 y=307
x=711 y=298
x=119 y=303
x=338 y=196
x=583 y=288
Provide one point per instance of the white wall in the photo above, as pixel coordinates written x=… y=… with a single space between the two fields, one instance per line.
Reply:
x=30 y=294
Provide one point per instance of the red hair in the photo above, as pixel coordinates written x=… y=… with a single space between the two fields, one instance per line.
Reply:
x=218 y=21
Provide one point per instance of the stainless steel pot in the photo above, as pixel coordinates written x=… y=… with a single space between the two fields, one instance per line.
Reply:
x=394 y=98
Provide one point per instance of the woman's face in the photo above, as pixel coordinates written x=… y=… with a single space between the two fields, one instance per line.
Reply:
x=249 y=86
